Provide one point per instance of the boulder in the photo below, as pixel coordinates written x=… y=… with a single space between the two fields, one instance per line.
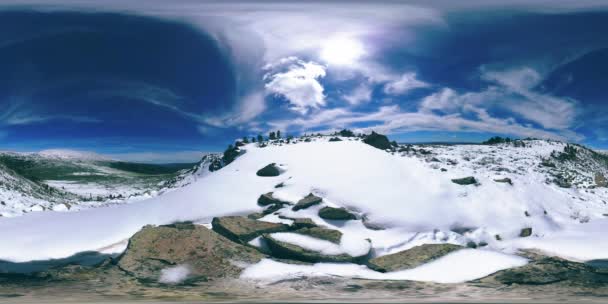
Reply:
x=465 y=181
x=268 y=199
x=269 y=171
x=204 y=253
x=308 y=201
x=505 y=180
x=331 y=235
x=378 y=141
x=334 y=139
x=600 y=180
x=299 y=223
x=411 y=258
x=330 y=213
x=290 y=251
x=241 y=229
x=526 y=232
x=544 y=270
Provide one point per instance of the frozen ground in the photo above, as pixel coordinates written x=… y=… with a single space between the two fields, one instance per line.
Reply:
x=406 y=192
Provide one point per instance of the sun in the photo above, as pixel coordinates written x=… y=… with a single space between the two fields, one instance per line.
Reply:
x=342 y=51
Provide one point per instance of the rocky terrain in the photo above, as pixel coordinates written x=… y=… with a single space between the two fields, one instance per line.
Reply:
x=370 y=220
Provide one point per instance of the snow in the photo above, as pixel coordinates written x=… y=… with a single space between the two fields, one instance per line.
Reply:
x=349 y=245
x=406 y=193
x=174 y=275
x=460 y=266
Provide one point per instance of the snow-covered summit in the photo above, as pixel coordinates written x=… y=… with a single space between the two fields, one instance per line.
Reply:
x=408 y=190
x=72 y=154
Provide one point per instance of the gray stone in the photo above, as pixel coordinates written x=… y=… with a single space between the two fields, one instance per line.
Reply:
x=465 y=181
x=526 y=232
x=289 y=251
x=330 y=213
x=242 y=229
x=308 y=201
x=206 y=253
x=505 y=180
x=411 y=258
x=269 y=171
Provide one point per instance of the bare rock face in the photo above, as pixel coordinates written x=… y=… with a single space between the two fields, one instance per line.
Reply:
x=600 y=180
x=203 y=253
x=505 y=180
x=241 y=229
x=308 y=201
x=411 y=258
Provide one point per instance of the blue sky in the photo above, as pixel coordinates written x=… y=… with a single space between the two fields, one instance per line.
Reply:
x=163 y=81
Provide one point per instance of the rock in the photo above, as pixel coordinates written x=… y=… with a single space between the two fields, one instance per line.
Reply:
x=370 y=225
x=330 y=213
x=242 y=229
x=299 y=223
x=331 y=235
x=471 y=244
x=256 y=216
x=411 y=258
x=505 y=180
x=600 y=180
x=268 y=199
x=526 y=232
x=543 y=270
x=272 y=209
x=205 y=253
x=293 y=252
x=562 y=182
x=308 y=201
x=378 y=141
x=465 y=181
x=334 y=139
x=269 y=171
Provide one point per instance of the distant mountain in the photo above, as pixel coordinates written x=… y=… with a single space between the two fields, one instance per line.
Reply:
x=65 y=179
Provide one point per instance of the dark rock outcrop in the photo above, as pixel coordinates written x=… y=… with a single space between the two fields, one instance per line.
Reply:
x=526 y=232
x=308 y=201
x=268 y=199
x=269 y=170
x=206 y=254
x=465 y=181
x=505 y=180
x=334 y=139
x=411 y=258
x=330 y=213
x=544 y=270
x=378 y=141
x=241 y=229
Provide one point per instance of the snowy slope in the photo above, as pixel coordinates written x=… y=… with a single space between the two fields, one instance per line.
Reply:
x=407 y=192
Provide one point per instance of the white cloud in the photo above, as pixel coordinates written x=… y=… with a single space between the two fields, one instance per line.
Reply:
x=519 y=97
x=361 y=94
x=403 y=84
x=298 y=84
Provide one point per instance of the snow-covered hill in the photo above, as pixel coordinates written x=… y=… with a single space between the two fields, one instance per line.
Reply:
x=547 y=189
